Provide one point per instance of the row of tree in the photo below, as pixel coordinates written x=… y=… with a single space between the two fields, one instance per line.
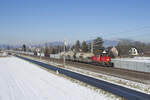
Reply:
x=95 y=46
x=124 y=46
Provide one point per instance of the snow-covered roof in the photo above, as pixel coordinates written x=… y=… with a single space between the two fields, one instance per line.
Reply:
x=104 y=51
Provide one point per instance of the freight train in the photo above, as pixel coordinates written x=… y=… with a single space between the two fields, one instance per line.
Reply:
x=88 y=58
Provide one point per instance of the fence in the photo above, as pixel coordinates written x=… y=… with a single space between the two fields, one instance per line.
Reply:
x=132 y=65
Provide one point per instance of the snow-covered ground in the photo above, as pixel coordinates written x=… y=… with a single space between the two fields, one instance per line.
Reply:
x=145 y=88
x=21 y=80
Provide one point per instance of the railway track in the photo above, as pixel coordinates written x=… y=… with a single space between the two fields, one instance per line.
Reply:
x=115 y=89
x=136 y=76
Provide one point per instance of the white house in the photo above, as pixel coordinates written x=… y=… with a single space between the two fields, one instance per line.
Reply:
x=133 y=52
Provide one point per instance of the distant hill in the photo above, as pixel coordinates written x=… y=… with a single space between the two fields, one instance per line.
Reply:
x=49 y=44
x=108 y=43
x=5 y=46
x=111 y=42
x=2 y=46
x=55 y=43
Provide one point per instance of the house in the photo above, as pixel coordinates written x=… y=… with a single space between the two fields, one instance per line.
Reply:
x=133 y=52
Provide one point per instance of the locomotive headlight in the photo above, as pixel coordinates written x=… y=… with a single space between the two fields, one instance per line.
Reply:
x=107 y=59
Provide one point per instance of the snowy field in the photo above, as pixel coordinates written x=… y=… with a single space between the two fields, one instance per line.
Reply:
x=21 y=80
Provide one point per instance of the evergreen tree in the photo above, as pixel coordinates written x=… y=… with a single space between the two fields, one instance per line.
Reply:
x=84 y=47
x=77 y=46
x=98 y=45
x=24 y=47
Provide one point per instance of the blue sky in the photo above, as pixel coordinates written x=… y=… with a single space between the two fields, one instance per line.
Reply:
x=39 y=21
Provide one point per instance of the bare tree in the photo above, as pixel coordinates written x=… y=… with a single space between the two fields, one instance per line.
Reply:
x=46 y=51
x=123 y=47
x=52 y=49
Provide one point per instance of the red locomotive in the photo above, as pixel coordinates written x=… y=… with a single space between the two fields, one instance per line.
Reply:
x=102 y=60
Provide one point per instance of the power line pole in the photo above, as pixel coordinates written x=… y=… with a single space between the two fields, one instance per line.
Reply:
x=65 y=43
x=40 y=54
x=92 y=46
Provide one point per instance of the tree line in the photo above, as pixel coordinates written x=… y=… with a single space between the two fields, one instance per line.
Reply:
x=125 y=45
x=83 y=46
x=97 y=47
